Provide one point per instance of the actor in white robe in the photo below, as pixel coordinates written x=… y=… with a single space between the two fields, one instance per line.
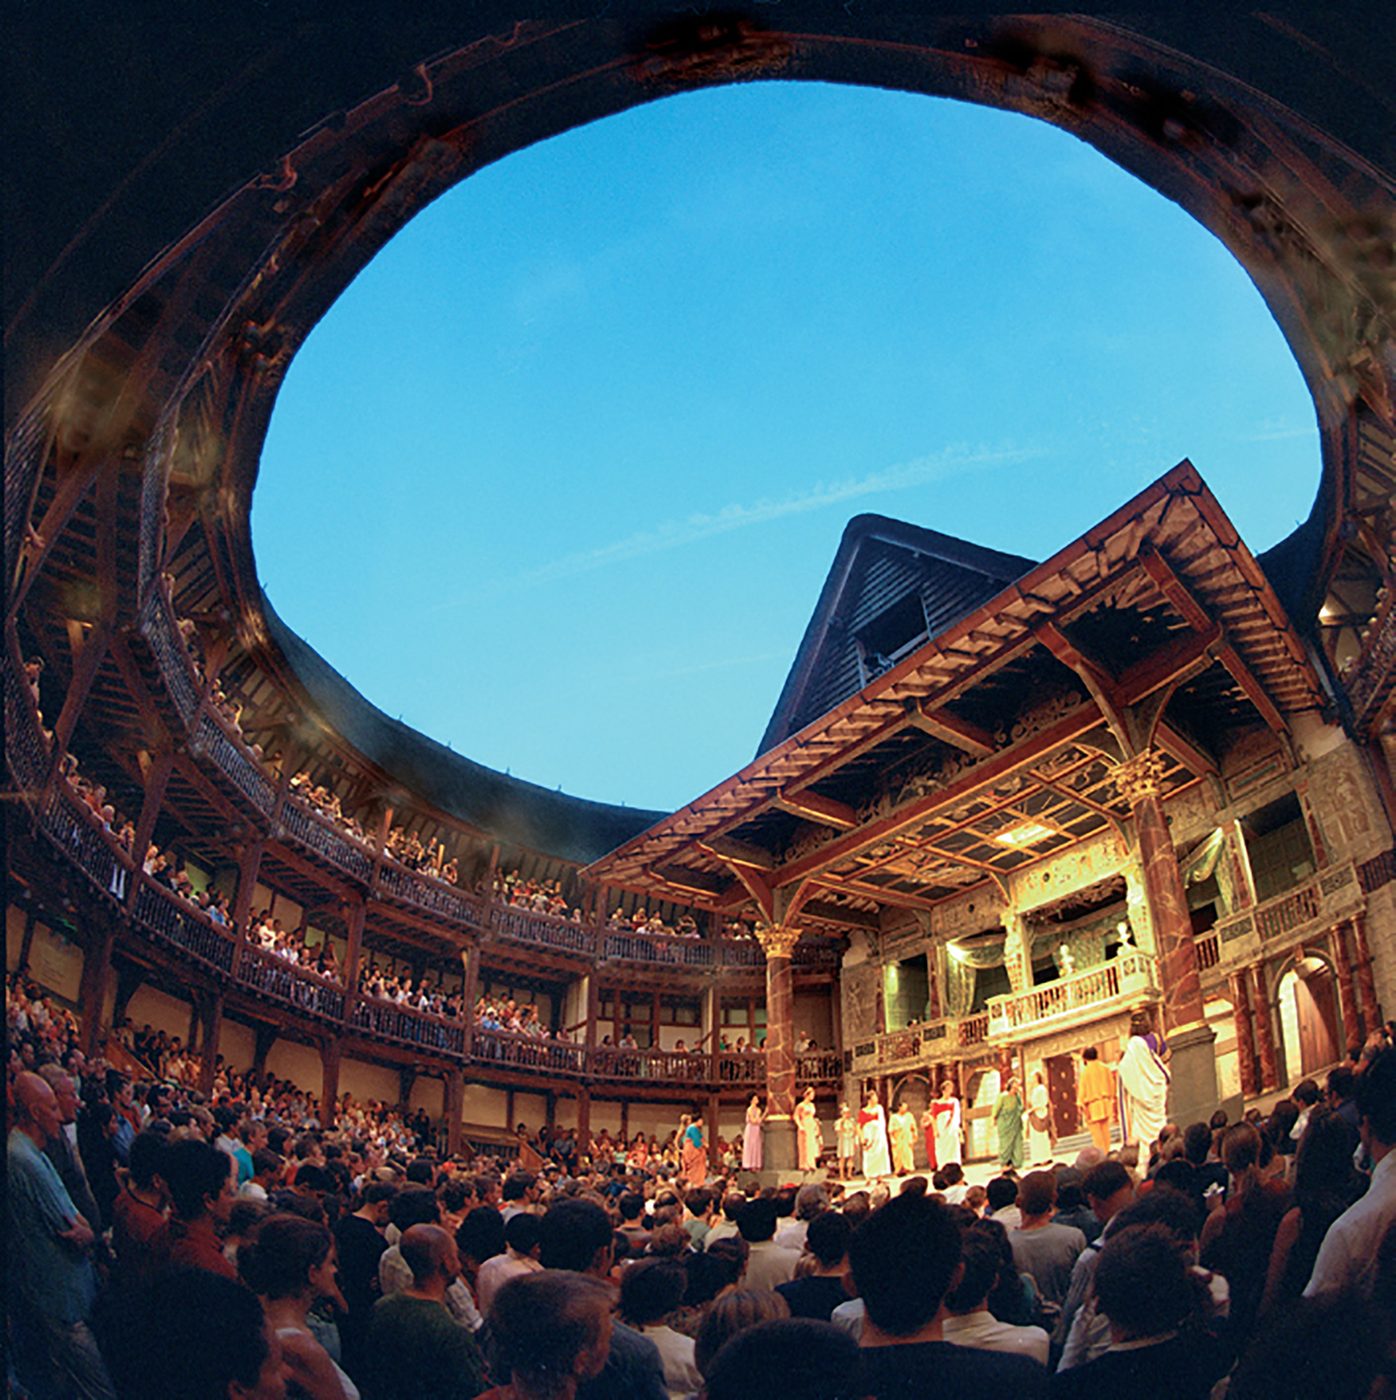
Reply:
x=877 y=1155
x=1143 y=1081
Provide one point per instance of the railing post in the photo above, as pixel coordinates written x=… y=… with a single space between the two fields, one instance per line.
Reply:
x=1366 y=982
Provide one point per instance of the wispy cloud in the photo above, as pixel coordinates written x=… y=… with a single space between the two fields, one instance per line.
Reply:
x=703 y=525
x=1277 y=434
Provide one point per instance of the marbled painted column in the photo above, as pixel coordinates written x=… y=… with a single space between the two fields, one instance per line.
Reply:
x=1366 y=980
x=1353 y=1028
x=778 y=942
x=1264 y=1032
x=1138 y=782
x=1245 y=1034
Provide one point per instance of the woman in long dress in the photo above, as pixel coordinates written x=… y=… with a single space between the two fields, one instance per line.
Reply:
x=947 y=1125
x=693 y=1156
x=872 y=1122
x=809 y=1135
x=752 y=1155
x=928 y=1131
x=1039 y=1122
x=846 y=1131
x=1008 y=1124
x=901 y=1130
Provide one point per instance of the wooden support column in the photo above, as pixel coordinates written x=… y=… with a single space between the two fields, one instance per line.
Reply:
x=711 y=1129
x=1138 y=782
x=778 y=943
x=129 y=979
x=26 y=940
x=509 y=1110
x=406 y=1078
x=329 y=1081
x=1353 y=1029
x=157 y=777
x=624 y=1129
x=1245 y=1035
x=265 y=1038
x=455 y=1109
x=213 y=1031
x=87 y=662
x=249 y=867
x=593 y=985
x=1264 y=1032
x=583 y=1121
x=470 y=987
x=1366 y=979
x=92 y=988
x=354 y=916
x=712 y=1028
x=191 y=1036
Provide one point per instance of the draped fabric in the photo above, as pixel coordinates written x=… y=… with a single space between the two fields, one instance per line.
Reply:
x=961 y=970
x=1087 y=941
x=1201 y=864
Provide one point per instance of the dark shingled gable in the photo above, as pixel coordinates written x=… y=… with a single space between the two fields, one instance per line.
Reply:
x=881 y=562
x=513 y=811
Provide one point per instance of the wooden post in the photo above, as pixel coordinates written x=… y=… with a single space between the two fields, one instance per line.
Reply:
x=583 y=1120
x=778 y=942
x=1245 y=1035
x=353 y=955
x=455 y=1109
x=265 y=1039
x=1264 y=1032
x=1353 y=1029
x=470 y=986
x=1366 y=981
x=711 y=1132
x=26 y=941
x=157 y=778
x=213 y=1029
x=96 y=967
x=329 y=1082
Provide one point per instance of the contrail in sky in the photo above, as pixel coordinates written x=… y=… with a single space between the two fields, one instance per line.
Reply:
x=702 y=525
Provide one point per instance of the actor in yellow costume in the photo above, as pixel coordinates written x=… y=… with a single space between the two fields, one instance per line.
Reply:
x=1095 y=1096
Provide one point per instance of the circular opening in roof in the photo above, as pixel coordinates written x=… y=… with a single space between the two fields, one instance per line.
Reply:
x=558 y=480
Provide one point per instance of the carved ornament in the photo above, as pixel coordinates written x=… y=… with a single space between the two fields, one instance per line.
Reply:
x=777 y=940
x=1140 y=777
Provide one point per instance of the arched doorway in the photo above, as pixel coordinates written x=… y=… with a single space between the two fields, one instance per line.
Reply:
x=1309 y=1022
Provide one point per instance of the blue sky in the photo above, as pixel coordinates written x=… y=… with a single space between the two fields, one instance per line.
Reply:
x=559 y=477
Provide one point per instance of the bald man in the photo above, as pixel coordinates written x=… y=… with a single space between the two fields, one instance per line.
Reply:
x=62 y=1148
x=416 y=1350
x=52 y=1281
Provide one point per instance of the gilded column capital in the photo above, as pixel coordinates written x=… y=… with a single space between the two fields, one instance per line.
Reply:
x=1140 y=777
x=777 y=940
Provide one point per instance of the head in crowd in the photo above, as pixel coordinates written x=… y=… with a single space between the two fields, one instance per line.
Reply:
x=521 y=1233
x=1166 y=1209
x=1376 y=1100
x=288 y=1257
x=983 y=1245
x=199 y=1179
x=430 y=1252
x=1003 y=1191
x=480 y=1236
x=810 y=1200
x=651 y=1290
x=1243 y=1152
x=1305 y=1093
x=631 y=1206
x=519 y=1186
x=212 y=1335
x=576 y=1235
x=1142 y=1282
x=550 y=1330
x=146 y=1158
x=828 y=1238
x=1037 y=1195
x=793 y=1357
x=757 y=1220
x=414 y=1205
x=904 y=1257
x=731 y=1314
x=1333 y=1347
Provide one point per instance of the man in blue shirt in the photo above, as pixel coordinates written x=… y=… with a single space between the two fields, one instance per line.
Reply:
x=52 y=1281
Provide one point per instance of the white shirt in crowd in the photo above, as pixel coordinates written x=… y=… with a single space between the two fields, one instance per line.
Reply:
x=983 y=1330
x=1347 y=1259
x=681 y=1374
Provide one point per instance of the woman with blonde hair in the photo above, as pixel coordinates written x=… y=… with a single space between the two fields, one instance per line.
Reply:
x=733 y=1313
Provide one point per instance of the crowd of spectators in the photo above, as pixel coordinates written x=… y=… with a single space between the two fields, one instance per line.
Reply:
x=237 y=1242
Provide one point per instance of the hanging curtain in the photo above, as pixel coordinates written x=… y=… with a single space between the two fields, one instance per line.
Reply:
x=1086 y=940
x=1202 y=863
x=961 y=972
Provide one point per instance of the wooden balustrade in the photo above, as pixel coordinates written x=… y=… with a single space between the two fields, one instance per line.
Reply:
x=170 y=919
x=1208 y=947
x=158 y=630
x=405 y=1025
x=660 y=948
x=529 y=1052
x=228 y=758
x=542 y=930
x=1128 y=976
x=300 y=988
x=327 y=840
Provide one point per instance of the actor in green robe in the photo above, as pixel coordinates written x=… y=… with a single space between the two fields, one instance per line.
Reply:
x=1008 y=1123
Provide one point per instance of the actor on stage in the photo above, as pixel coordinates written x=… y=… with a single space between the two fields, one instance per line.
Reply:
x=846 y=1134
x=1039 y=1122
x=901 y=1129
x=752 y=1153
x=1008 y=1124
x=947 y=1126
x=693 y=1156
x=872 y=1124
x=1095 y=1096
x=1143 y=1083
x=809 y=1142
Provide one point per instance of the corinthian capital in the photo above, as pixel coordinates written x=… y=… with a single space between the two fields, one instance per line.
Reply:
x=777 y=940
x=1140 y=777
